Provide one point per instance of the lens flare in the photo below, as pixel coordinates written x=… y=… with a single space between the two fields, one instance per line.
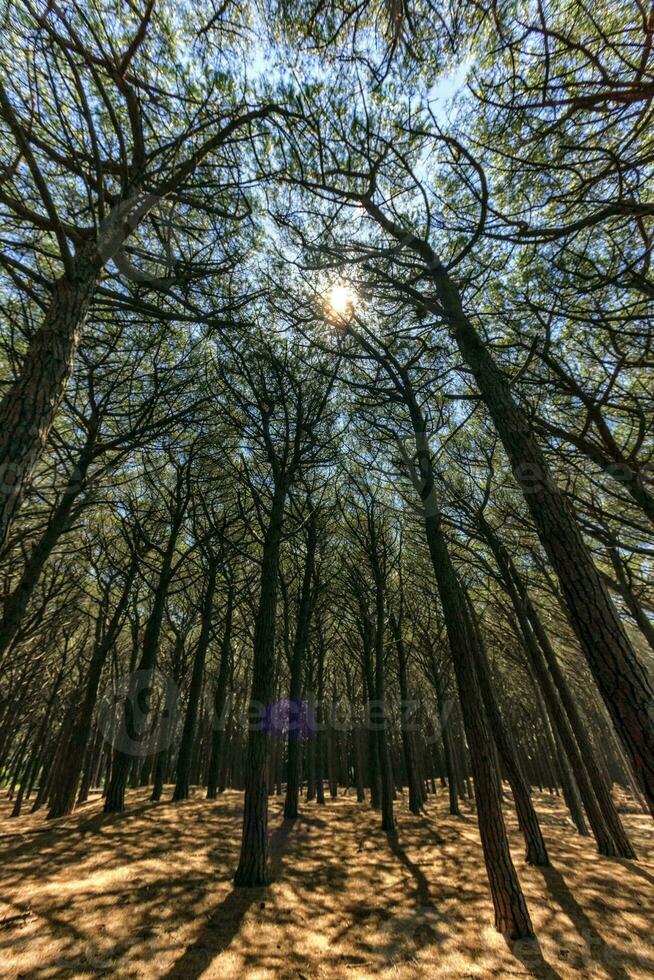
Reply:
x=340 y=301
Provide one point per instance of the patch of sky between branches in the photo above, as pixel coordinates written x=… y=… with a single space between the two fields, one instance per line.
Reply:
x=446 y=87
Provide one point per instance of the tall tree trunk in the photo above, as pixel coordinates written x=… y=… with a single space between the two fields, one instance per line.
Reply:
x=30 y=403
x=320 y=756
x=383 y=757
x=311 y=759
x=536 y=852
x=627 y=690
x=603 y=817
x=511 y=914
x=448 y=750
x=138 y=696
x=164 y=734
x=357 y=758
x=332 y=750
x=252 y=868
x=600 y=786
x=63 y=797
x=301 y=642
x=415 y=794
x=195 y=689
x=373 y=748
x=220 y=698
x=622 y=679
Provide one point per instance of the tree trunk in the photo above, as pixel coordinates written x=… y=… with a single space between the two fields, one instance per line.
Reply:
x=301 y=642
x=627 y=690
x=63 y=797
x=30 y=403
x=195 y=689
x=138 y=694
x=603 y=817
x=415 y=795
x=320 y=756
x=536 y=852
x=220 y=699
x=448 y=750
x=358 y=757
x=511 y=914
x=252 y=868
x=598 y=807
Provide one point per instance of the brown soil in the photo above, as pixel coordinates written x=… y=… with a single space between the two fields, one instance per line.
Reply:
x=148 y=893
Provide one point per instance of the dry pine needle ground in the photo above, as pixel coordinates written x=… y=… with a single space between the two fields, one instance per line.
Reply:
x=148 y=893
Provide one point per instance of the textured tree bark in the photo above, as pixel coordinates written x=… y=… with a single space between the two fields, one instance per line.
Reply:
x=536 y=851
x=511 y=914
x=300 y=645
x=622 y=680
x=185 y=754
x=252 y=868
x=67 y=780
x=548 y=665
x=220 y=699
x=604 y=820
x=122 y=761
x=30 y=403
x=627 y=691
x=415 y=794
x=586 y=750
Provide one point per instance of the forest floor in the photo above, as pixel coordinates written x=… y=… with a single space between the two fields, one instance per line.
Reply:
x=148 y=893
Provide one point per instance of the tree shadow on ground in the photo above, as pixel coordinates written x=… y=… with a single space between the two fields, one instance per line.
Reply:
x=530 y=954
x=594 y=948
x=148 y=893
x=225 y=920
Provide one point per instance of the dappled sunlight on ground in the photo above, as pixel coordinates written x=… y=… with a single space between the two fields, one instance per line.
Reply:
x=148 y=893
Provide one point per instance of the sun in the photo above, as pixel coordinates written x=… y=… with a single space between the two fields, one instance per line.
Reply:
x=340 y=301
